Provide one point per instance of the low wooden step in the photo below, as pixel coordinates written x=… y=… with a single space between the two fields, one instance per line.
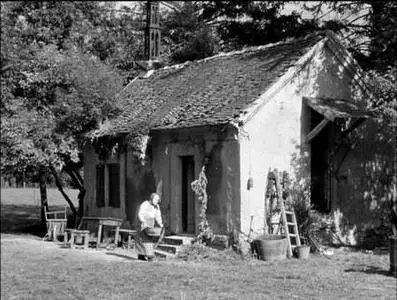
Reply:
x=163 y=254
x=168 y=248
x=177 y=240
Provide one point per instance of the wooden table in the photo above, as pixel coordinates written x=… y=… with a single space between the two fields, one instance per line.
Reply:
x=111 y=222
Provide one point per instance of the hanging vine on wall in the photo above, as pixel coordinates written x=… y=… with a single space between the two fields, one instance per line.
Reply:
x=199 y=187
x=139 y=145
x=107 y=146
x=111 y=145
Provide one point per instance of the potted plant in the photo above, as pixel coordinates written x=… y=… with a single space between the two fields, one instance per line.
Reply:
x=300 y=204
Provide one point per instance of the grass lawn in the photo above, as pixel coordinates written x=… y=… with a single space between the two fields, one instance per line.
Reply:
x=33 y=269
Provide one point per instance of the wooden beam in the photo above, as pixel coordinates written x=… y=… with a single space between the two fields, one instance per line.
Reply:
x=354 y=126
x=316 y=130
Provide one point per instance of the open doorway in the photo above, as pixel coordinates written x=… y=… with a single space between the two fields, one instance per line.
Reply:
x=188 y=199
x=319 y=168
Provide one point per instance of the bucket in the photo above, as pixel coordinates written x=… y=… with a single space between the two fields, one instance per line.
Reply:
x=302 y=252
x=393 y=255
x=271 y=247
x=79 y=239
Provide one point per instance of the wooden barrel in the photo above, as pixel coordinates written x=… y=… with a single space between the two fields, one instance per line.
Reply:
x=271 y=247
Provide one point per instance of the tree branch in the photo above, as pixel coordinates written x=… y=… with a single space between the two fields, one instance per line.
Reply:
x=79 y=182
x=359 y=17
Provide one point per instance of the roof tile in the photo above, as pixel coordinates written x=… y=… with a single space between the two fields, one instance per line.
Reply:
x=211 y=91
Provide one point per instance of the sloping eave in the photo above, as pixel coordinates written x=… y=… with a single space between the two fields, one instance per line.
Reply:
x=336 y=108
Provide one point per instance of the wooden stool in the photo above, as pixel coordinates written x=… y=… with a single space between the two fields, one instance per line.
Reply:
x=110 y=222
x=77 y=234
x=131 y=234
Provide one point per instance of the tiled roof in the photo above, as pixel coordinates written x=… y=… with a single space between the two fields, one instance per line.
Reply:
x=211 y=91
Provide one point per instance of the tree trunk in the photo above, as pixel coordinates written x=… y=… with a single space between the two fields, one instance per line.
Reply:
x=43 y=194
x=60 y=188
x=81 y=195
x=393 y=203
x=81 y=201
x=78 y=181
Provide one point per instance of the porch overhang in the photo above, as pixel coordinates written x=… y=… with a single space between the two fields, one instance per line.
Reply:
x=333 y=109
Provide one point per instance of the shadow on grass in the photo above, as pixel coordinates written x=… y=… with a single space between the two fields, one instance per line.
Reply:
x=22 y=219
x=121 y=256
x=371 y=270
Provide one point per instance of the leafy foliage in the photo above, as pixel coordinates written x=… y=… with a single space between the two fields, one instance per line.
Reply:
x=54 y=91
x=371 y=35
x=199 y=187
x=190 y=38
x=200 y=252
x=243 y=23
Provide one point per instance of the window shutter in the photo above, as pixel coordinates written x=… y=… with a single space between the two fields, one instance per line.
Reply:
x=114 y=185
x=100 y=186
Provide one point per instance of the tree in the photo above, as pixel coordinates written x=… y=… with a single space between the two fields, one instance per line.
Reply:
x=245 y=23
x=370 y=35
x=53 y=93
x=188 y=37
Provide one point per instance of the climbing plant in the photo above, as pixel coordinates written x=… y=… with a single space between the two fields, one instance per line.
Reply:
x=199 y=187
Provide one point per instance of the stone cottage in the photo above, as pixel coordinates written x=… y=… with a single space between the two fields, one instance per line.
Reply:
x=239 y=114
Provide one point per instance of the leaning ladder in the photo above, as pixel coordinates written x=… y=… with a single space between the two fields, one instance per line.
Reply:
x=288 y=224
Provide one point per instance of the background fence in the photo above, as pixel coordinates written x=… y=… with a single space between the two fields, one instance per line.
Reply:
x=12 y=182
x=31 y=196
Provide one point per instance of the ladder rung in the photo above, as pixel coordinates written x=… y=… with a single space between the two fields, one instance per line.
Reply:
x=289 y=212
x=290 y=223
x=290 y=234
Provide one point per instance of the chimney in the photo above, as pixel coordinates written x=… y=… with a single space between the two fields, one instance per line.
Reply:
x=152 y=31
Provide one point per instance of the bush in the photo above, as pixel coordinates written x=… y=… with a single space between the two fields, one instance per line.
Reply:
x=200 y=252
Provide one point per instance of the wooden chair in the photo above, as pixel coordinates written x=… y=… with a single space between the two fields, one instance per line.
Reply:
x=56 y=224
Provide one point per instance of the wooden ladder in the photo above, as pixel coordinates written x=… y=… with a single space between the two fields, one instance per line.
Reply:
x=291 y=235
x=285 y=224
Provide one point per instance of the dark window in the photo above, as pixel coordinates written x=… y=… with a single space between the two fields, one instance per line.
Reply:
x=152 y=45
x=156 y=45
x=100 y=185
x=114 y=185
